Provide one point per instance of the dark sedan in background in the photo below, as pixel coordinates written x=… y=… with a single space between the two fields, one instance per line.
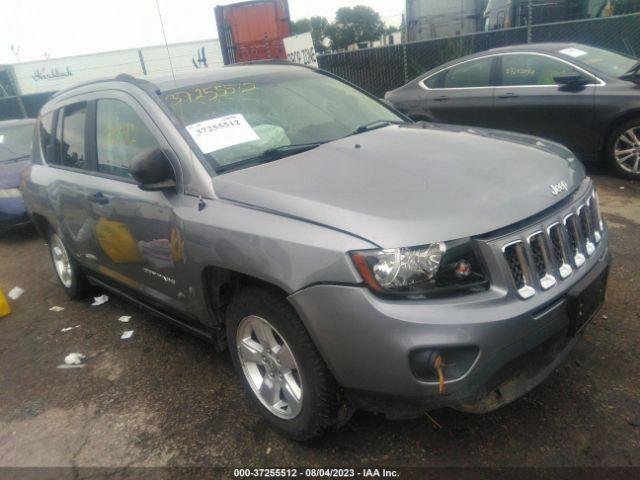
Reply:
x=16 y=137
x=585 y=98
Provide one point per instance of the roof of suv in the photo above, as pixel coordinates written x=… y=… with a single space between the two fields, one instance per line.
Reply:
x=164 y=83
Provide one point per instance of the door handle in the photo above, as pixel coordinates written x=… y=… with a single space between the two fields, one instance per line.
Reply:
x=99 y=198
x=508 y=95
x=441 y=98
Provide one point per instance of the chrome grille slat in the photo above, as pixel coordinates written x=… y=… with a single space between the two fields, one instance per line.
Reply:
x=542 y=260
x=520 y=270
x=596 y=220
x=557 y=234
x=575 y=239
x=545 y=256
x=584 y=222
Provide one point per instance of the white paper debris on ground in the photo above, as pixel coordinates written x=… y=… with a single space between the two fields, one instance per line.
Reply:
x=126 y=334
x=56 y=308
x=74 y=358
x=66 y=329
x=100 y=300
x=15 y=293
x=64 y=365
x=125 y=318
x=621 y=188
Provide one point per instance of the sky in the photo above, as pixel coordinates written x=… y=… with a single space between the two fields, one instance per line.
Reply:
x=60 y=28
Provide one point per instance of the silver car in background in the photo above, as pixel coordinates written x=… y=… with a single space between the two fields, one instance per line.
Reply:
x=346 y=256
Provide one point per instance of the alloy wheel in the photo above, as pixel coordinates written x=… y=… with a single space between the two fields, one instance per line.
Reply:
x=627 y=150
x=269 y=367
x=61 y=260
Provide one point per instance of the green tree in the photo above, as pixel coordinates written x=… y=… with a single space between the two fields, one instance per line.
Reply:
x=354 y=25
x=318 y=28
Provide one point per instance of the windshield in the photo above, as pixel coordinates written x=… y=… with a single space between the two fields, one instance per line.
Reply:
x=607 y=62
x=15 y=141
x=237 y=120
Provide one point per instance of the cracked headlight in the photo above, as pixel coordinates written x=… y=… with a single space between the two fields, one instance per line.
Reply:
x=417 y=271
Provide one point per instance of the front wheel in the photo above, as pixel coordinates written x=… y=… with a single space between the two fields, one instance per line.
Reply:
x=623 y=149
x=71 y=277
x=281 y=368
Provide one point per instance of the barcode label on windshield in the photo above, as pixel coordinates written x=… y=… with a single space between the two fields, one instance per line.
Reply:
x=222 y=132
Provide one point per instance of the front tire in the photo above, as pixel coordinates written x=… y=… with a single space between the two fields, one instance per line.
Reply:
x=280 y=367
x=623 y=149
x=71 y=277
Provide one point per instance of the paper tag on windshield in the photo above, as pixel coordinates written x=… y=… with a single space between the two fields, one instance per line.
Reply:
x=222 y=132
x=1 y=138
x=573 y=52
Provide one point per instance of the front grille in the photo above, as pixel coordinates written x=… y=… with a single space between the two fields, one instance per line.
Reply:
x=550 y=255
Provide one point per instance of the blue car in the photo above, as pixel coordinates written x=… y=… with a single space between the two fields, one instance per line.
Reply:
x=16 y=137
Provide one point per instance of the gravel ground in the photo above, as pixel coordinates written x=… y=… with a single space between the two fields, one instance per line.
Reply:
x=164 y=398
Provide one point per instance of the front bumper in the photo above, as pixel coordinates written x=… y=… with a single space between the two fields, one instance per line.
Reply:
x=368 y=341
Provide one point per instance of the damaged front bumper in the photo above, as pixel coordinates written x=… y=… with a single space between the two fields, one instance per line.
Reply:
x=495 y=348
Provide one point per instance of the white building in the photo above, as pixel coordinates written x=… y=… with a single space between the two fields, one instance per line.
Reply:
x=25 y=86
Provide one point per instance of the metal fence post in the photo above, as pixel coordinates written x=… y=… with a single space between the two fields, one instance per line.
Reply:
x=529 y=22
x=405 y=63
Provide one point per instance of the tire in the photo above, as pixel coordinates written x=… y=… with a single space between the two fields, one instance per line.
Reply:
x=317 y=411
x=621 y=140
x=71 y=277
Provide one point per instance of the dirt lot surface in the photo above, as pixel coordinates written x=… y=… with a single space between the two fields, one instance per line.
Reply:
x=166 y=398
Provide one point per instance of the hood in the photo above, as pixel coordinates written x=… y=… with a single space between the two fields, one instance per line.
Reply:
x=412 y=184
x=11 y=173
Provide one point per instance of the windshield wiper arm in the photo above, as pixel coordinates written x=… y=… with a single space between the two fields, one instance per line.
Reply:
x=270 y=155
x=375 y=124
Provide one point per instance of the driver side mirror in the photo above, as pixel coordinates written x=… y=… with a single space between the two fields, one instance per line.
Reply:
x=572 y=80
x=153 y=171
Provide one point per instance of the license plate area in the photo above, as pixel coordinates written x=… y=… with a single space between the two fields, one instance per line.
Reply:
x=586 y=298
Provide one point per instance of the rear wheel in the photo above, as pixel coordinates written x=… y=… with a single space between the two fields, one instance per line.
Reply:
x=280 y=366
x=623 y=149
x=73 y=281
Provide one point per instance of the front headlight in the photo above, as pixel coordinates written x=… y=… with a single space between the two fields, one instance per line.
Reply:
x=10 y=193
x=435 y=268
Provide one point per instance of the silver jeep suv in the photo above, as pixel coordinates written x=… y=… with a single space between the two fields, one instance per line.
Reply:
x=347 y=257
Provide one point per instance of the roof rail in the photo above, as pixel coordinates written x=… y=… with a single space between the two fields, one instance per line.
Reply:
x=122 y=77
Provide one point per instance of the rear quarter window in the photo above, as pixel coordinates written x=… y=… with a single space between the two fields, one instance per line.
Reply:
x=69 y=148
x=45 y=130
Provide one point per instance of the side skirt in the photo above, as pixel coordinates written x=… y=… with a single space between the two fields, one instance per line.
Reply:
x=202 y=333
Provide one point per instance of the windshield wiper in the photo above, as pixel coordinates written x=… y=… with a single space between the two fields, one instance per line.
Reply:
x=375 y=124
x=270 y=155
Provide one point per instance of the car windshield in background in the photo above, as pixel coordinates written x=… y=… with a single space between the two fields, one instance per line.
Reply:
x=607 y=62
x=253 y=120
x=15 y=141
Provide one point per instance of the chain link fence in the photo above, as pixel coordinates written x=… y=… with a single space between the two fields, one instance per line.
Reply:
x=380 y=69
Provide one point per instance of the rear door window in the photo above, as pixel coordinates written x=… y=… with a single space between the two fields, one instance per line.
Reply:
x=473 y=74
x=70 y=137
x=121 y=135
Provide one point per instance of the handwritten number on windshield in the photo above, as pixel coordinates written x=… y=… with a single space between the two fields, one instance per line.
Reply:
x=210 y=93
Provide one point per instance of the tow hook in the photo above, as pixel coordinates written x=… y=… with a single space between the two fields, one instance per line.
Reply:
x=439 y=365
x=434 y=360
